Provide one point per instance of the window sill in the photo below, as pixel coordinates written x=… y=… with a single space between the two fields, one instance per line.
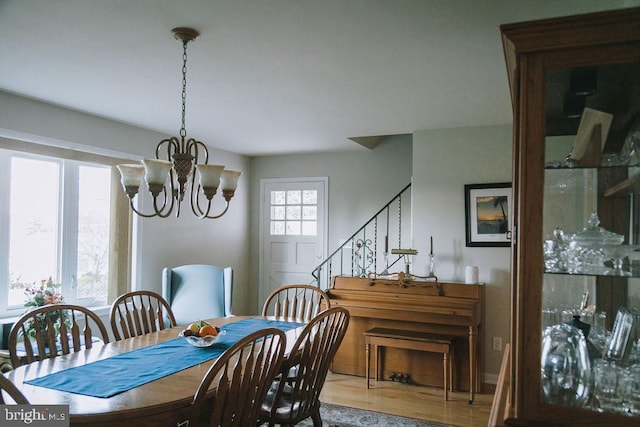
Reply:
x=102 y=310
x=9 y=319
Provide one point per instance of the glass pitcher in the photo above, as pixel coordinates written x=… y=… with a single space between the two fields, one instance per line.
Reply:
x=565 y=366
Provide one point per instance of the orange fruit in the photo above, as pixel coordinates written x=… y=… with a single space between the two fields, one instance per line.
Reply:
x=207 y=330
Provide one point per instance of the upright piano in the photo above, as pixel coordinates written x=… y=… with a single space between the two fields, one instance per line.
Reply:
x=416 y=305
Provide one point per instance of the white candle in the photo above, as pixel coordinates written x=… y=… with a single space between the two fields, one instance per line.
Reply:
x=471 y=274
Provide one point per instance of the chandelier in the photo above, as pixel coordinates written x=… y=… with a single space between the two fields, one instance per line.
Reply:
x=172 y=174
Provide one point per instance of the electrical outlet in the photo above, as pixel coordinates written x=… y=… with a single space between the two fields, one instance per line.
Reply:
x=497 y=343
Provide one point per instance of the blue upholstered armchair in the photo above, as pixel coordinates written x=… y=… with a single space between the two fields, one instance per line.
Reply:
x=198 y=291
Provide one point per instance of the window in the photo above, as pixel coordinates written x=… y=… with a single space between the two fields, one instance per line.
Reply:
x=56 y=206
x=294 y=213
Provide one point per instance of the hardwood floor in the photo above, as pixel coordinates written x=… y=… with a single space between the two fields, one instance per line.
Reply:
x=425 y=403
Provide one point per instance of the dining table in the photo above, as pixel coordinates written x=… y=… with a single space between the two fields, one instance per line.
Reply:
x=132 y=381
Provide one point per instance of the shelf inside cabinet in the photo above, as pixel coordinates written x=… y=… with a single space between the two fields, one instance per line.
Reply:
x=601 y=167
x=620 y=261
x=628 y=274
x=623 y=188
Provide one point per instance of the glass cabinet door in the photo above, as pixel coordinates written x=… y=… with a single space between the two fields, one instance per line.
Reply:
x=590 y=345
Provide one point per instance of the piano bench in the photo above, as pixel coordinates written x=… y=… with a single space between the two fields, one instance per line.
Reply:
x=411 y=340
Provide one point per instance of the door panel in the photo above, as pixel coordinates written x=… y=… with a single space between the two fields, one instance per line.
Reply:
x=293 y=231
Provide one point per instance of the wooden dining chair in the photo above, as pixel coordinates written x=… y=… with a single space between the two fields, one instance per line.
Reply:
x=53 y=330
x=8 y=387
x=234 y=387
x=289 y=403
x=296 y=302
x=140 y=312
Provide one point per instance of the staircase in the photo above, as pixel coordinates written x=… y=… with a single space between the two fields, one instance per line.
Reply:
x=368 y=250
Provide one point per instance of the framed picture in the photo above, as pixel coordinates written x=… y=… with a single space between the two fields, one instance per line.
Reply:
x=488 y=214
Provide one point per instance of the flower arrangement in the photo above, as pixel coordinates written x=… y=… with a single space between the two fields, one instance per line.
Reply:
x=47 y=292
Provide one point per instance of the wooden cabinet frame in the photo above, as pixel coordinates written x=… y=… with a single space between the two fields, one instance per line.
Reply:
x=531 y=49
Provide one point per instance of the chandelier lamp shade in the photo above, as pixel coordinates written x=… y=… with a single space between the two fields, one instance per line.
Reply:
x=172 y=174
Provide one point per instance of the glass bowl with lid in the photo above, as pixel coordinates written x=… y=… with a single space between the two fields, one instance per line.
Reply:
x=594 y=246
x=595 y=236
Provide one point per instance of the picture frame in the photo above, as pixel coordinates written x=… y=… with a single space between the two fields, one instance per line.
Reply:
x=488 y=214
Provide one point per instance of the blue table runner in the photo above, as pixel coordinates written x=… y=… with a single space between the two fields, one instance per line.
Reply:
x=117 y=374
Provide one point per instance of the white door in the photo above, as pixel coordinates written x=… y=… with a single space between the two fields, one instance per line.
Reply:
x=293 y=231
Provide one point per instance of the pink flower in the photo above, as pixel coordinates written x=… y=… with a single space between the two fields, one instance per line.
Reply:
x=46 y=292
x=52 y=299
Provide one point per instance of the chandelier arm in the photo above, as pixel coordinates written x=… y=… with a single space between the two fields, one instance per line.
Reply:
x=172 y=143
x=163 y=212
x=178 y=205
x=197 y=210
x=226 y=208
x=158 y=212
x=192 y=147
x=195 y=202
x=137 y=212
x=174 y=153
x=173 y=146
x=173 y=195
x=206 y=215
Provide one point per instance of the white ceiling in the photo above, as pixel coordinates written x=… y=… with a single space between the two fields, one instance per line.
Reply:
x=272 y=76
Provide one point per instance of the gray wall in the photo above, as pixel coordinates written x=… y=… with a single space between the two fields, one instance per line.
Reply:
x=443 y=162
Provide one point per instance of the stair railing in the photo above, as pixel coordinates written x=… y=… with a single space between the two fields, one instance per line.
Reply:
x=364 y=252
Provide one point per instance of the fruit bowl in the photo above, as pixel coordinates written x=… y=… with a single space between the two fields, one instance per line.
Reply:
x=206 y=341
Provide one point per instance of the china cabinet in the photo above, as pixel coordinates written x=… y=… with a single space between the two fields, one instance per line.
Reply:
x=575 y=86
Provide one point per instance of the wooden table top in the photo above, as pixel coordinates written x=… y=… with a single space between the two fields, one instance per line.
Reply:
x=163 y=401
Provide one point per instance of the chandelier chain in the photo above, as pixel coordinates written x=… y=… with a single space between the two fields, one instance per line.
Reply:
x=183 y=129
